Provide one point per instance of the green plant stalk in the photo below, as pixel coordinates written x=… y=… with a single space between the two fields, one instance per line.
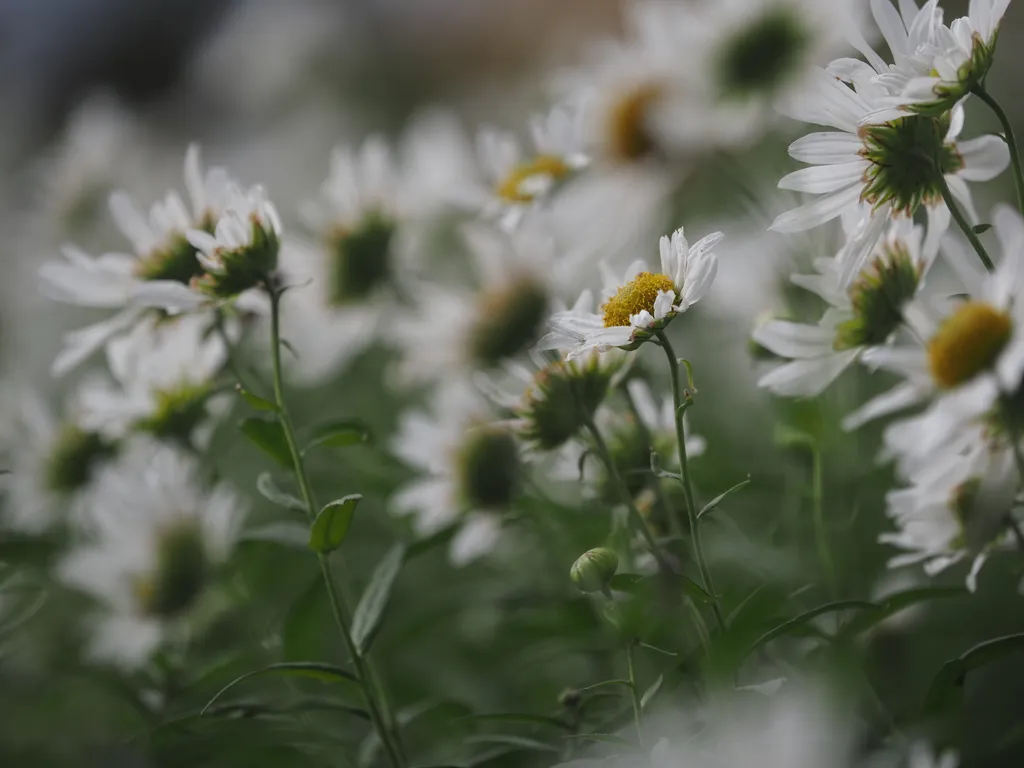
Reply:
x=1011 y=142
x=965 y=226
x=820 y=535
x=339 y=607
x=687 y=483
x=635 y=694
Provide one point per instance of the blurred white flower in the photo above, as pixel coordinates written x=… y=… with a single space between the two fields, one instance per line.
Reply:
x=161 y=254
x=152 y=539
x=470 y=471
x=875 y=172
x=642 y=302
x=164 y=375
x=864 y=315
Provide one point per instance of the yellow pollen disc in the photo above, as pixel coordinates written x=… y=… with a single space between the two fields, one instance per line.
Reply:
x=967 y=343
x=636 y=295
x=542 y=165
x=629 y=135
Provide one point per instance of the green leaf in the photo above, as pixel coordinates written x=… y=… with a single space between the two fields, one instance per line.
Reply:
x=269 y=437
x=980 y=229
x=521 y=717
x=795 y=624
x=327 y=673
x=433 y=541
x=896 y=603
x=290 y=534
x=339 y=434
x=790 y=437
x=625 y=582
x=515 y=741
x=268 y=489
x=651 y=692
x=332 y=524
x=370 y=611
x=947 y=685
x=256 y=401
x=712 y=505
x=694 y=591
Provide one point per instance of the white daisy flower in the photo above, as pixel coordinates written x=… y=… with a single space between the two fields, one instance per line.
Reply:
x=956 y=506
x=161 y=253
x=958 y=58
x=455 y=328
x=470 y=471
x=972 y=357
x=516 y=177
x=876 y=172
x=742 y=57
x=866 y=314
x=164 y=381
x=643 y=302
x=153 y=539
x=51 y=462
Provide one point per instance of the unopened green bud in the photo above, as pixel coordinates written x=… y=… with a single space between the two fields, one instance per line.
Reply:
x=594 y=570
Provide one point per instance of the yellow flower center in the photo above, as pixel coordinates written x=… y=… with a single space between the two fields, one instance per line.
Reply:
x=511 y=188
x=628 y=129
x=968 y=342
x=636 y=295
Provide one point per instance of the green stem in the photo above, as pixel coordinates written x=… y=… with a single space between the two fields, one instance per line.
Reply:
x=687 y=483
x=1010 y=139
x=965 y=226
x=339 y=606
x=820 y=534
x=635 y=693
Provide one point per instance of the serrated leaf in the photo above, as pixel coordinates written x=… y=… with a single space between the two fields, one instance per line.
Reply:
x=332 y=524
x=269 y=437
x=255 y=401
x=797 y=623
x=980 y=229
x=370 y=611
x=290 y=534
x=339 y=434
x=897 y=602
x=324 y=672
x=712 y=505
x=947 y=685
x=269 y=490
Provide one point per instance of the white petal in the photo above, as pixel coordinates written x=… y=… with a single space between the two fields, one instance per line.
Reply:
x=819 y=179
x=816 y=212
x=794 y=340
x=826 y=148
x=984 y=158
x=809 y=377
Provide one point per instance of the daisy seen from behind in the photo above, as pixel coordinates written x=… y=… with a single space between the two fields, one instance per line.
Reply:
x=153 y=537
x=642 y=303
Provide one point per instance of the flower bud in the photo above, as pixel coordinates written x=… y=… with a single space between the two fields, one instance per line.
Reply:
x=594 y=570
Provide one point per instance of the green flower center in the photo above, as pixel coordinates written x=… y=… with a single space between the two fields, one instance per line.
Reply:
x=763 y=54
x=176 y=261
x=182 y=569
x=636 y=295
x=563 y=396
x=489 y=468
x=967 y=343
x=877 y=298
x=906 y=155
x=73 y=458
x=177 y=413
x=245 y=267
x=361 y=259
x=509 y=321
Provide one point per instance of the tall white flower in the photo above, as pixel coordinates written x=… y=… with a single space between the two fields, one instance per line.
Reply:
x=152 y=540
x=161 y=253
x=867 y=314
x=642 y=302
x=469 y=471
x=876 y=172
x=164 y=380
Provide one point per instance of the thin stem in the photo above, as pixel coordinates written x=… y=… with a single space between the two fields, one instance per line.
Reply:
x=659 y=491
x=687 y=483
x=339 y=606
x=820 y=534
x=635 y=692
x=965 y=226
x=1011 y=142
